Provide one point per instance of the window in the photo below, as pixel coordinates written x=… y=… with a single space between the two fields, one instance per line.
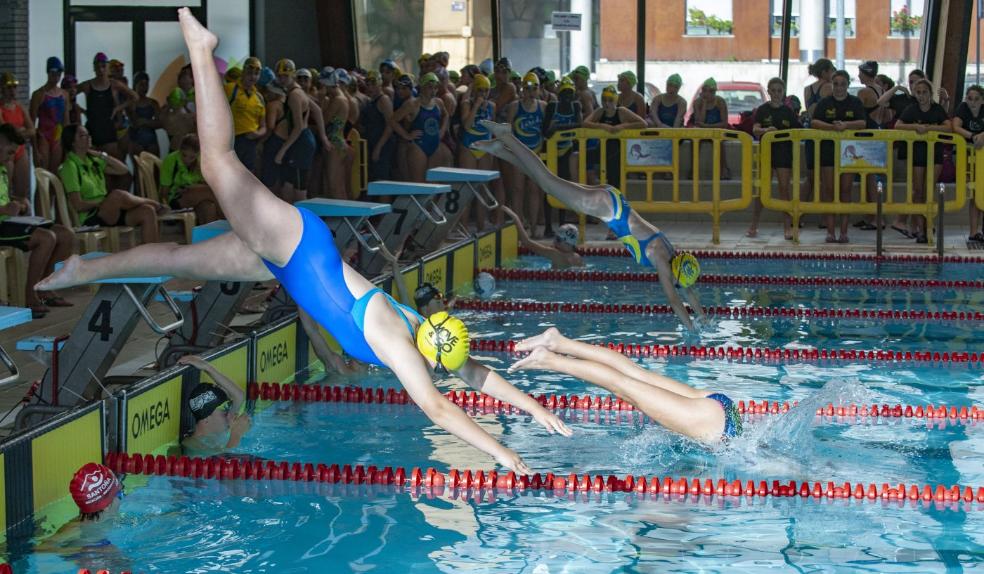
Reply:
x=775 y=21
x=905 y=18
x=850 y=18
x=709 y=18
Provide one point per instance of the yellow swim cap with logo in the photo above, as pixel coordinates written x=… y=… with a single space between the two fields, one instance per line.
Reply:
x=444 y=340
x=685 y=269
x=481 y=82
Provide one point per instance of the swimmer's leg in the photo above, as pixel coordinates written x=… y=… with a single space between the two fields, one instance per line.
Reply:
x=593 y=201
x=553 y=340
x=267 y=225
x=223 y=258
x=698 y=418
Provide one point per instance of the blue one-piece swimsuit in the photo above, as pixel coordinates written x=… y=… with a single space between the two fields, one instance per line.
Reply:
x=619 y=225
x=314 y=279
x=732 y=418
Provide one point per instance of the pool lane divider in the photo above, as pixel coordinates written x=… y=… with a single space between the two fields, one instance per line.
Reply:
x=583 y=276
x=785 y=255
x=456 y=480
x=763 y=354
x=473 y=400
x=721 y=311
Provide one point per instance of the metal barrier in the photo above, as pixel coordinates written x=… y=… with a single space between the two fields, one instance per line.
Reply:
x=977 y=171
x=866 y=153
x=655 y=153
x=360 y=163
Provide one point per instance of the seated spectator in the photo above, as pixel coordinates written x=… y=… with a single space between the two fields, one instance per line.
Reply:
x=922 y=117
x=216 y=430
x=83 y=173
x=772 y=116
x=45 y=242
x=182 y=183
x=838 y=112
x=627 y=96
x=969 y=123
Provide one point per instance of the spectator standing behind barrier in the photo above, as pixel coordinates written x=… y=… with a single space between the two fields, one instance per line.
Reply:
x=182 y=184
x=876 y=118
x=773 y=116
x=476 y=107
x=564 y=114
x=627 y=96
x=177 y=118
x=51 y=109
x=585 y=95
x=145 y=118
x=216 y=430
x=969 y=123
x=923 y=117
x=248 y=112
x=336 y=112
x=14 y=113
x=388 y=73
x=613 y=118
x=711 y=111
x=823 y=70
x=70 y=84
x=838 y=112
x=105 y=99
x=83 y=173
x=668 y=110
x=428 y=121
x=45 y=243
x=526 y=118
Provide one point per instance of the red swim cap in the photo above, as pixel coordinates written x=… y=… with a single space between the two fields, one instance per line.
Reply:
x=93 y=487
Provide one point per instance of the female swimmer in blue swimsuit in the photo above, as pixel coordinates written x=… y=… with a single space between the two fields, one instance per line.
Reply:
x=428 y=123
x=272 y=238
x=644 y=241
x=707 y=417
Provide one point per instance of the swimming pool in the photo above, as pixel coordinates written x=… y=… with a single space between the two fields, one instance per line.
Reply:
x=171 y=524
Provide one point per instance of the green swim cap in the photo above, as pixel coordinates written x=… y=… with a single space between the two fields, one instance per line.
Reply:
x=710 y=83
x=551 y=76
x=630 y=76
x=581 y=71
x=176 y=98
x=675 y=79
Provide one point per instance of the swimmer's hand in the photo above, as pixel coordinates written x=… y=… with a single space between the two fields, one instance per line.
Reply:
x=194 y=361
x=552 y=423
x=513 y=462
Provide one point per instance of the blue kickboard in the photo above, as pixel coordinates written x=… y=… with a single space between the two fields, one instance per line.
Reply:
x=343 y=207
x=179 y=296
x=156 y=280
x=458 y=175
x=46 y=344
x=209 y=230
x=13 y=316
x=406 y=188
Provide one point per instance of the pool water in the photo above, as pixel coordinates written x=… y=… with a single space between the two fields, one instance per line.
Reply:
x=187 y=525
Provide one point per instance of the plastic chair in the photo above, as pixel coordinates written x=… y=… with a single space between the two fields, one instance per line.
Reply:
x=48 y=183
x=148 y=166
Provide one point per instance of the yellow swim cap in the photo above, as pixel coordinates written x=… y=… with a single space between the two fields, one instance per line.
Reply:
x=686 y=269
x=481 y=82
x=444 y=340
x=285 y=67
x=531 y=79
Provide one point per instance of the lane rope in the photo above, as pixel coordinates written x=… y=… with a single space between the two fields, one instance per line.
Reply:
x=290 y=392
x=720 y=311
x=582 y=275
x=456 y=480
x=783 y=255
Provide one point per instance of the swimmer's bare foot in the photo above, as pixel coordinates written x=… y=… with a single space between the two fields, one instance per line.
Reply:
x=69 y=275
x=196 y=35
x=546 y=339
x=537 y=359
x=497 y=129
x=491 y=147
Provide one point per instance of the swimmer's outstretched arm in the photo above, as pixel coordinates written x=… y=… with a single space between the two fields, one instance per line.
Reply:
x=700 y=419
x=485 y=380
x=328 y=358
x=538 y=248
x=593 y=201
x=662 y=265
x=409 y=366
x=268 y=226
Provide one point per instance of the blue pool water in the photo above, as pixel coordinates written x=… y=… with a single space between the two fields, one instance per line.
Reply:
x=187 y=525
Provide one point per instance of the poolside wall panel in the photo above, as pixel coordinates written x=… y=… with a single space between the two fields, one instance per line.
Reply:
x=152 y=416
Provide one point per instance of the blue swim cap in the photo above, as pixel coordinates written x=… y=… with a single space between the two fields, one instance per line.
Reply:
x=266 y=76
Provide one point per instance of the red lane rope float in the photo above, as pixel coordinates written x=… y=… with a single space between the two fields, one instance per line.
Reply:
x=475 y=400
x=456 y=479
x=714 y=254
x=702 y=352
x=772 y=312
x=636 y=276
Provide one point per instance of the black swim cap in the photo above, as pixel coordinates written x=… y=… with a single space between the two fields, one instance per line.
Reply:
x=204 y=399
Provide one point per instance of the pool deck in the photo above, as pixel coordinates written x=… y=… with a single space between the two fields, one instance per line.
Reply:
x=139 y=352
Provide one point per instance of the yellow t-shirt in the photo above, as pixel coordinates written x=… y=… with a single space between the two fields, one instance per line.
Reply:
x=248 y=109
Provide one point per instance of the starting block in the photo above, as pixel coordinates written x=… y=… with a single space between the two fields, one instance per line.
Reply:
x=346 y=218
x=413 y=204
x=105 y=326
x=466 y=185
x=11 y=317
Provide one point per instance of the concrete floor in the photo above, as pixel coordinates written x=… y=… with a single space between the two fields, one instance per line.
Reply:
x=140 y=350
